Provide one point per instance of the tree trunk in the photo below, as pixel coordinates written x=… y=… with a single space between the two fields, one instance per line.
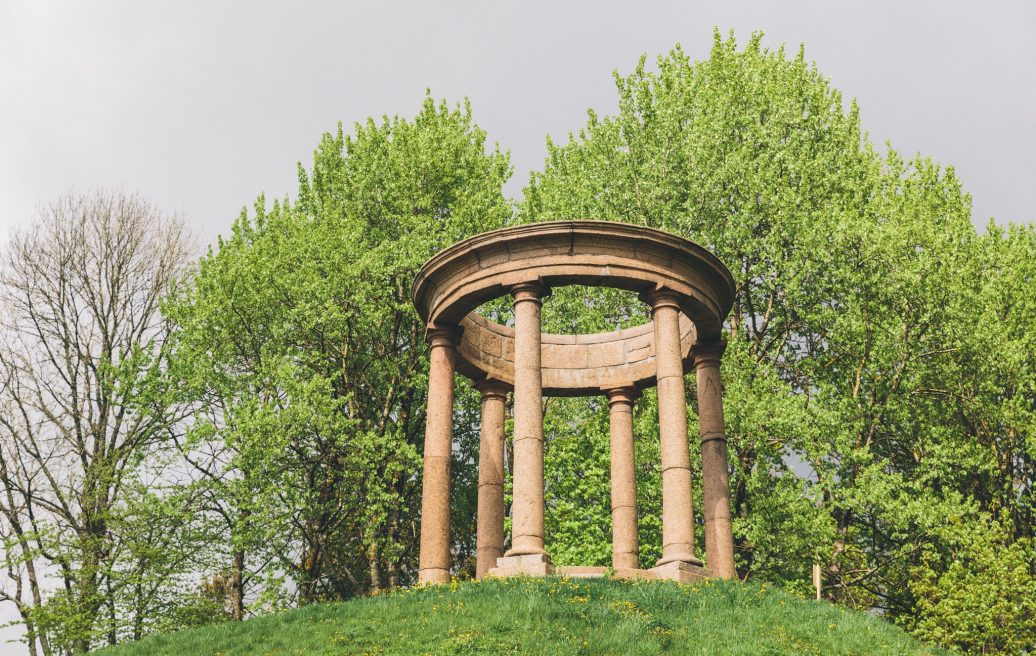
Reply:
x=391 y=567
x=237 y=587
x=375 y=569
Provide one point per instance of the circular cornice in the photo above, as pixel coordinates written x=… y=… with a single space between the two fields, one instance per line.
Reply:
x=453 y=283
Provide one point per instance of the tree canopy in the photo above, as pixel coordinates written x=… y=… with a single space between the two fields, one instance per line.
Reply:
x=873 y=398
x=298 y=344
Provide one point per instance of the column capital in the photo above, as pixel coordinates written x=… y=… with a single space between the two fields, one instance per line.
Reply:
x=440 y=335
x=660 y=297
x=533 y=290
x=492 y=388
x=625 y=394
x=708 y=354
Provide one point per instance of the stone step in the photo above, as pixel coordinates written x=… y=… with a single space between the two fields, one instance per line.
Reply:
x=539 y=566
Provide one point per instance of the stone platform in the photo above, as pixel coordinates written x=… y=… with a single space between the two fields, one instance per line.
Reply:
x=539 y=565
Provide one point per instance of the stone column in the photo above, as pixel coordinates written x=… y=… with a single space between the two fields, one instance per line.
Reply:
x=719 y=538
x=489 y=539
x=677 y=508
x=527 y=505
x=625 y=547
x=438 y=444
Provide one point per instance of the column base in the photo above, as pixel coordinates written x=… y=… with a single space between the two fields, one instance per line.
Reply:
x=433 y=576
x=681 y=572
x=688 y=558
x=525 y=551
x=537 y=565
x=485 y=560
x=625 y=561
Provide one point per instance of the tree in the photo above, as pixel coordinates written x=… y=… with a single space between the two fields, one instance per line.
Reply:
x=981 y=597
x=81 y=404
x=998 y=388
x=299 y=346
x=854 y=392
x=975 y=586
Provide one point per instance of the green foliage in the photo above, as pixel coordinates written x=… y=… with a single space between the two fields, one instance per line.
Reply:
x=576 y=469
x=867 y=402
x=1000 y=377
x=554 y=616
x=299 y=343
x=981 y=596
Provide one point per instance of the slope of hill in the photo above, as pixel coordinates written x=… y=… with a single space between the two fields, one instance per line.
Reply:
x=552 y=616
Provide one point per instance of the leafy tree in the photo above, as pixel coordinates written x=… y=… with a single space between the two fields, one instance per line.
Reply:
x=298 y=342
x=982 y=598
x=975 y=590
x=707 y=150
x=82 y=405
x=997 y=391
x=853 y=385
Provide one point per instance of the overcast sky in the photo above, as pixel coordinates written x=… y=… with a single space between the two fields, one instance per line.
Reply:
x=200 y=106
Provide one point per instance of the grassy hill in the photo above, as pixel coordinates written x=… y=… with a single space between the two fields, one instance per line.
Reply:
x=552 y=616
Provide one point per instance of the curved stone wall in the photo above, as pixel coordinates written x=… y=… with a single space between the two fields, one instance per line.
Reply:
x=573 y=365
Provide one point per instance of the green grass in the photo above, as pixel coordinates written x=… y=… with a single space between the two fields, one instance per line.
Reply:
x=551 y=616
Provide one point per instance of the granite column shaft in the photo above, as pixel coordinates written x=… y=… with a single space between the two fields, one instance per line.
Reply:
x=434 y=565
x=527 y=527
x=719 y=538
x=489 y=541
x=625 y=546
x=677 y=504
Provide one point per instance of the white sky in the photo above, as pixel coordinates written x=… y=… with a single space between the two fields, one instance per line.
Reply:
x=200 y=106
